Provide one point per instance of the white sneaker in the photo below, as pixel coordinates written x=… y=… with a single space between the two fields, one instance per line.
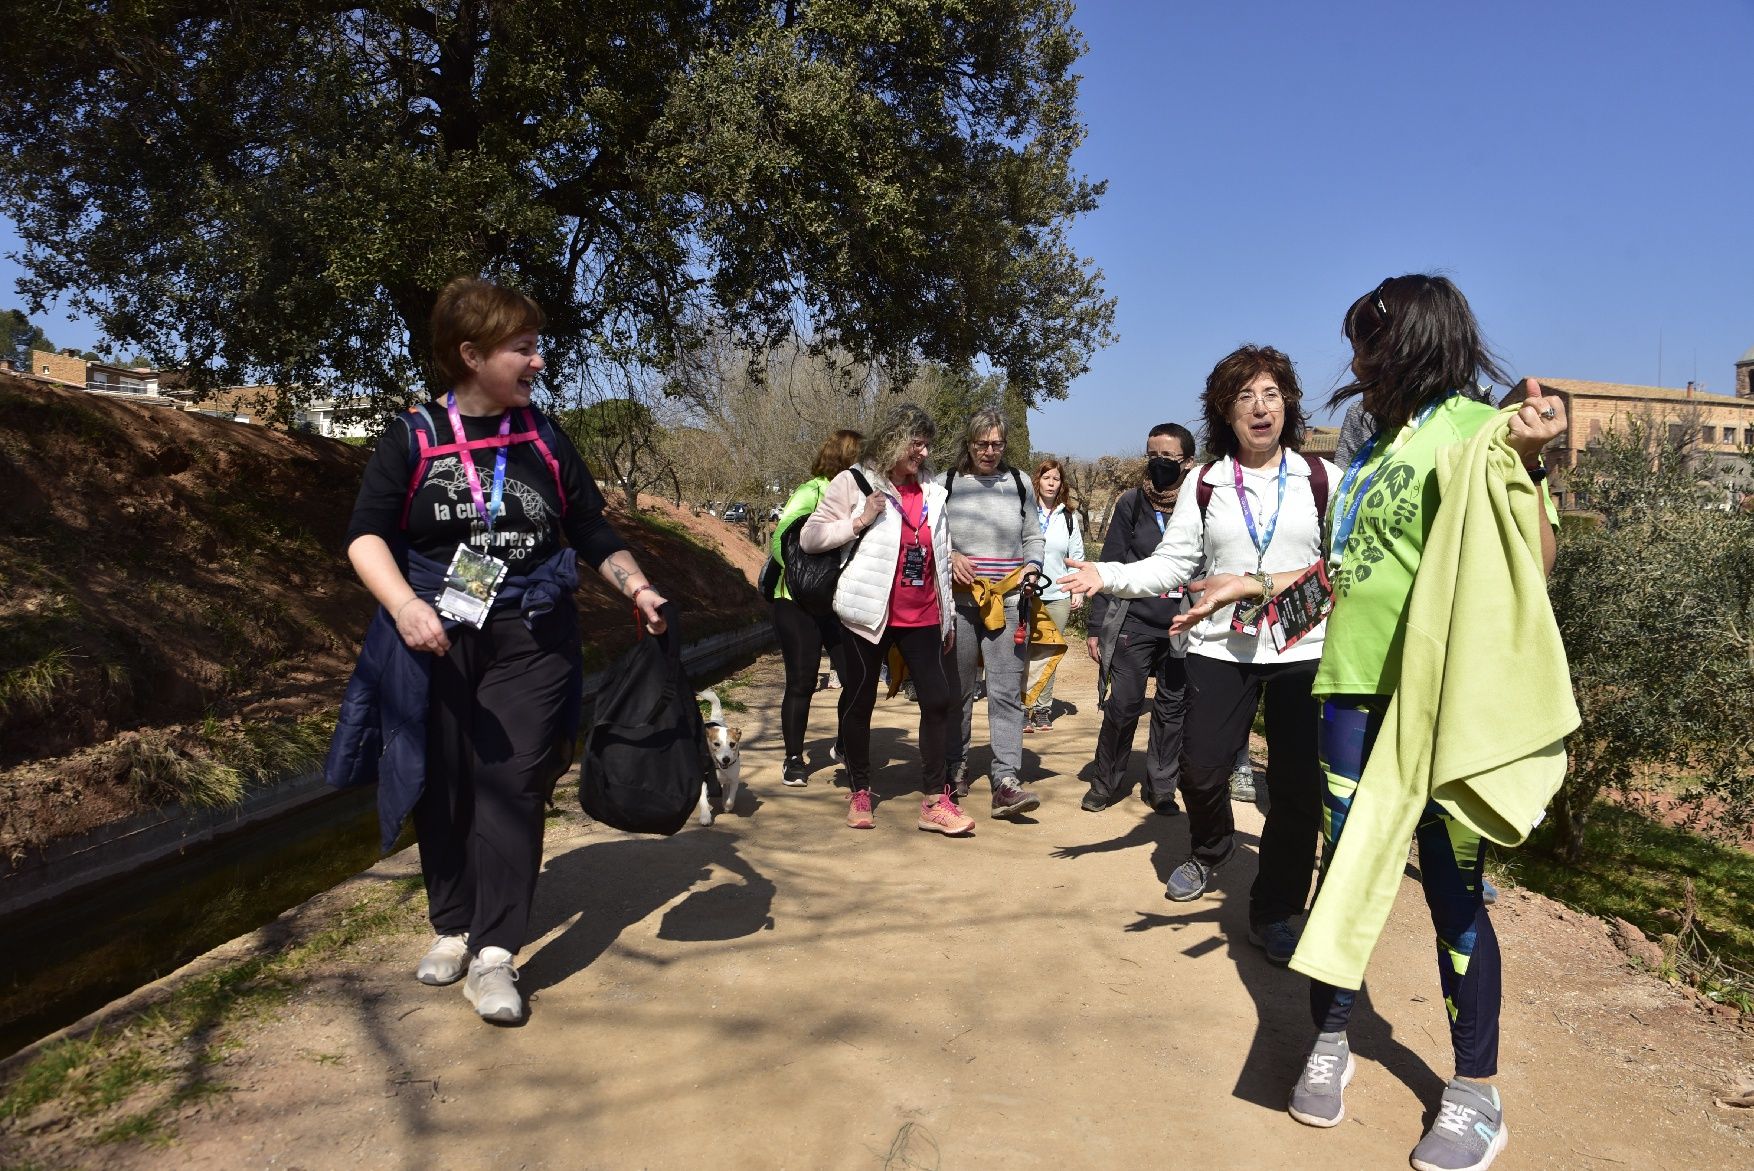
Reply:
x=492 y=986
x=444 y=961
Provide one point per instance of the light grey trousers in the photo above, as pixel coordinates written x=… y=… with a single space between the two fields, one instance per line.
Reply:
x=1004 y=672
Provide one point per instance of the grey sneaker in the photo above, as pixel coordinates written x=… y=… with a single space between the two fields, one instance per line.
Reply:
x=444 y=961
x=959 y=780
x=1319 y=1097
x=1468 y=1133
x=1011 y=799
x=1242 y=786
x=1278 y=939
x=492 y=986
x=1188 y=881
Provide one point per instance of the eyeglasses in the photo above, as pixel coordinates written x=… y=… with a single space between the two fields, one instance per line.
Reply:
x=988 y=445
x=1267 y=398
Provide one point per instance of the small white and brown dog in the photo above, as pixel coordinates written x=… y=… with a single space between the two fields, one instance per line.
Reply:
x=722 y=741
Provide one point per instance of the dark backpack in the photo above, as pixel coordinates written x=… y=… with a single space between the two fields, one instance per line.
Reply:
x=811 y=578
x=645 y=756
x=1016 y=478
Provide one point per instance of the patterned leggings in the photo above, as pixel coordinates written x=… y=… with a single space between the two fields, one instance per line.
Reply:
x=1451 y=862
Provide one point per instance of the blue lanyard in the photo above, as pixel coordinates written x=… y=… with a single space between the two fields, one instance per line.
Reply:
x=1248 y=517
x=1349 y=505
x=490 y=510
x=1043 y=518
x=1162 y=521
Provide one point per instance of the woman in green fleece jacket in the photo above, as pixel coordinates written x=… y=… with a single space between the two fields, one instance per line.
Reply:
x=1416 y=349
x=804 y=636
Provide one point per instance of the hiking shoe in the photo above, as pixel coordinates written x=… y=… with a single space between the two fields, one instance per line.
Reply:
x=444 y=961
x=859 y=810
x=492 y=986
x=1162 y=806
x=1011 y=799
x=1319 y=1097
x=1242 y=786
x=959 y=779
x=1278 y=939
x=943 y=815
x=1028 y=720
x=1468 y=1132
x=1188 y=881
x=795 y=774
x=1095 y=801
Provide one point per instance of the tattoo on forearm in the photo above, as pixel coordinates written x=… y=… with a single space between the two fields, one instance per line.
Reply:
x=621 y=575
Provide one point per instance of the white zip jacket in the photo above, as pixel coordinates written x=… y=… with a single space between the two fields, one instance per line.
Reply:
x=861 y=600
x=1223 y=544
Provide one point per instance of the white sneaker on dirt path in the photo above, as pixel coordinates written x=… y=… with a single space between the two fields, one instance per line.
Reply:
x=444 y=961
x=492 y=986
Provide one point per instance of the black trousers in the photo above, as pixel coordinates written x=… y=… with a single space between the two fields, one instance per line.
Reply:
x=493 y=751
x=802 y=638
x=1141 y=653
x=935 y=680
x=1221 y=706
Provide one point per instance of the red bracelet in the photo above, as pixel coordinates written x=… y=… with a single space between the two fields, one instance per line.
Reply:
x=634 y=597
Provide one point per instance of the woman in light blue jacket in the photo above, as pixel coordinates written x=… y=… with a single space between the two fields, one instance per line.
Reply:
x=1056 y=511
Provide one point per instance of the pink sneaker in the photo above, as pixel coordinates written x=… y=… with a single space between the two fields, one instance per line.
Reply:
x=942 y=815
x=859 y=810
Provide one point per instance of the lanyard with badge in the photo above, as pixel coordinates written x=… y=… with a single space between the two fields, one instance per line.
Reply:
x=473 y=580
x=1352 y=494
x=1247 y=619
x=913 y=557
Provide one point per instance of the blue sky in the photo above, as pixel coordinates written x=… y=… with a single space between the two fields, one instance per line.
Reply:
x=1584 y=171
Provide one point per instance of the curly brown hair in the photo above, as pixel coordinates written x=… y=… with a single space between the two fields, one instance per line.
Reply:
x=1226 y=382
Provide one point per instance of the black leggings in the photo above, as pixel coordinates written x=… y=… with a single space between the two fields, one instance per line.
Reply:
x=935 y=680
x=802 y=637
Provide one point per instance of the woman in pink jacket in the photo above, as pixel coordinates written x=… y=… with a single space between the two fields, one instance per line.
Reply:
x=894 y=591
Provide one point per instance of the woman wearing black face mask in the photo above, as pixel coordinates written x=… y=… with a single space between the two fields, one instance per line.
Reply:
x=1130 y=640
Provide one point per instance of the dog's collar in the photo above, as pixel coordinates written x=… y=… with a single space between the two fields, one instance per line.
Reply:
x=716 y=724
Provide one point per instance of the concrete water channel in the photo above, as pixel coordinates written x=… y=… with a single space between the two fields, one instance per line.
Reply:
x=137 y=905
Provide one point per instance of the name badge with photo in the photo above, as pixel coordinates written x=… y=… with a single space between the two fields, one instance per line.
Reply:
x=913 y=565
x=471 y=584
x=1301 y=607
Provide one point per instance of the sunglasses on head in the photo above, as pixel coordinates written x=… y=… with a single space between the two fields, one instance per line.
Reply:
x=1372 y=301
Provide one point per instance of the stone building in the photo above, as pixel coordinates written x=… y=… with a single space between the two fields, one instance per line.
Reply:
x=1717 y=429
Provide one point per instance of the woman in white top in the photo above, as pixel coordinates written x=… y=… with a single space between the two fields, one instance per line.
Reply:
x=1057 y=512
x=1257 y=510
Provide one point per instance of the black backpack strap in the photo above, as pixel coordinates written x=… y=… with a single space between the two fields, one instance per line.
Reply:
x=1022 y=496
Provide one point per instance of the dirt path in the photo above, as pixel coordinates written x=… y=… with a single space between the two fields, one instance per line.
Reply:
x=779 y=991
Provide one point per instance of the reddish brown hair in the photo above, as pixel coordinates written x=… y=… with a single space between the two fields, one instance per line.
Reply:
x=470 y=309
x=1052 y=463
x=839 y=452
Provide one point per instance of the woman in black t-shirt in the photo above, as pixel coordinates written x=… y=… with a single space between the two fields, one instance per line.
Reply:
x=475 y=479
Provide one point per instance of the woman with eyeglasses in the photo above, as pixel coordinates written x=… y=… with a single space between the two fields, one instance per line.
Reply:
x=1130 y=642
x=1256 y=509
x=1438 y=524
x=894 y=591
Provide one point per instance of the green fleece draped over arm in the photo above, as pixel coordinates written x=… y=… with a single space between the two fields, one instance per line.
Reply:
x=1484 y=703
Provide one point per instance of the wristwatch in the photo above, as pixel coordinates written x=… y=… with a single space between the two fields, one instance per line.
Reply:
x=1536 y=473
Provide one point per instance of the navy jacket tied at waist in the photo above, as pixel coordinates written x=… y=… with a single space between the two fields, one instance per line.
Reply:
x=381 y=733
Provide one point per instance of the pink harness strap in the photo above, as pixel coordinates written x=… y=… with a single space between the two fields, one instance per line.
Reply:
x=430 y=451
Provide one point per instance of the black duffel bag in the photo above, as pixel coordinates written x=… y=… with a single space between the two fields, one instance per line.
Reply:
x=645 y=756
x=811 y=578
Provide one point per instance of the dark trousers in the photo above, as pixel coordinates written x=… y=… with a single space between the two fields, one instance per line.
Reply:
x=802 y=638
x=1452 y=861
x=935 y=680
x=1141 y=653
x=493 y=751
x=1221 y=706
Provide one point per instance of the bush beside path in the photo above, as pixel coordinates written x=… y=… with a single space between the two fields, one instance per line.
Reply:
x=779 y=991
